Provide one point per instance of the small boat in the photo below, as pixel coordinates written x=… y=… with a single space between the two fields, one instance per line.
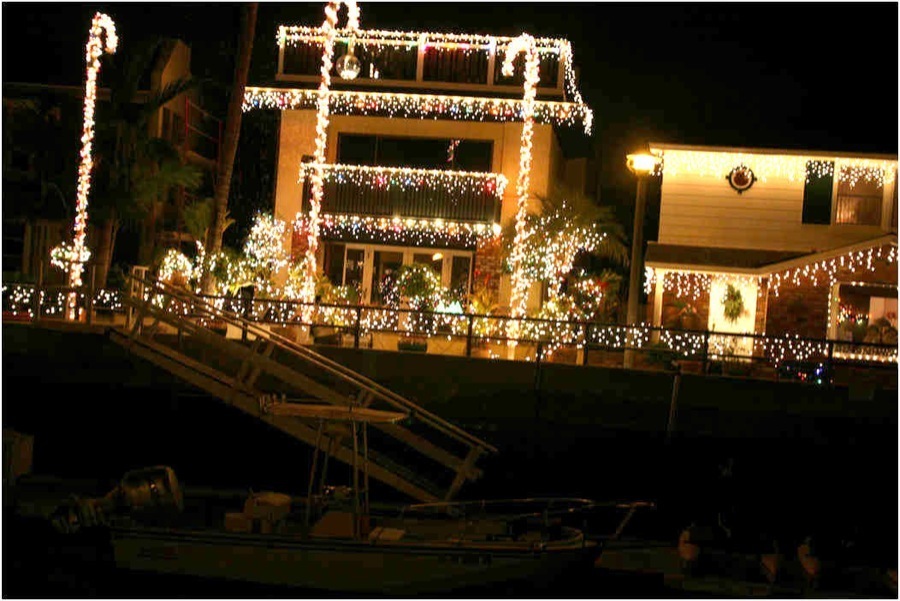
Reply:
x=333 y=540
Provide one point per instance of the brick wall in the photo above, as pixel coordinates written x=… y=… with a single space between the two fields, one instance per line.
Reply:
x=700 y=304
x=803 y=309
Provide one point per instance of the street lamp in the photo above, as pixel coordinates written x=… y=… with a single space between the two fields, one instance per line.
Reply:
x=642 y=165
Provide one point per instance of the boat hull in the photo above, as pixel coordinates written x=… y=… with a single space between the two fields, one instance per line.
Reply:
x=347 y=566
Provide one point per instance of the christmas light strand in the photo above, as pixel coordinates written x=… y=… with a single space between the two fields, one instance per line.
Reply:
x=794 y=168
x=308 y=287
x=519 y=281
x=295 y=34
x=454 y=182
x=825 y=272
x=424 y=232
x=96 y=46
x=421 y=106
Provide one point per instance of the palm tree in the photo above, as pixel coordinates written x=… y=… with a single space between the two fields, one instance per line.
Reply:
x=232 y=131
x=569 y=224
x=133 y=169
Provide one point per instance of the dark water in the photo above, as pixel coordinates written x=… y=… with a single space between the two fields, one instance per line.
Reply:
x=836 y=479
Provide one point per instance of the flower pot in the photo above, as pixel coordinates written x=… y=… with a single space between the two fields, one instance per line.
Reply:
x=416 y=344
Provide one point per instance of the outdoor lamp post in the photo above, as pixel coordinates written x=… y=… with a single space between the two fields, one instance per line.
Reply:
x=642 y=165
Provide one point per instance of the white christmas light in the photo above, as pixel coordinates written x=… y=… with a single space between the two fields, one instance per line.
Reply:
x=520 y=282
x=95 y=48
x=421 y=106
x=308 y=287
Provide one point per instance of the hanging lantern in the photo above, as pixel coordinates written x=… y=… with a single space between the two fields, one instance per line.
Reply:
x=348 y=66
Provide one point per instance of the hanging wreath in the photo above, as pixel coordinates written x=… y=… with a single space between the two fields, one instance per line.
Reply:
x=741 y=178
x=733 y=302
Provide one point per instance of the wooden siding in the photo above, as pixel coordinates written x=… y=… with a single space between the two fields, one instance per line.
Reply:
x=705 y=211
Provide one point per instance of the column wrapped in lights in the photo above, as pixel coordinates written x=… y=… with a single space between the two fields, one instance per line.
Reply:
x=96 y=46
x=308 y=287
x=520 y=282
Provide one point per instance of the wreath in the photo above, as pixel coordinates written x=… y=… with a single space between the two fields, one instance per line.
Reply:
x=741 y=178
x=733 y=303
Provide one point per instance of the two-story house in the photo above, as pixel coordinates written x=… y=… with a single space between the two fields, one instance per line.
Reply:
x=423 y=151
x=806 y=242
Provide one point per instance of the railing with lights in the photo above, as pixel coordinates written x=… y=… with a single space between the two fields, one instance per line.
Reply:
x=467 y=334
x=408 y=193
x=424 y=60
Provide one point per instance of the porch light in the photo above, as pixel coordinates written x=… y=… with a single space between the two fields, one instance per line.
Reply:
x=642 y=164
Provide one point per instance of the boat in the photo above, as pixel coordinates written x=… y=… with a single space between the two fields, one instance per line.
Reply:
x=334 y=539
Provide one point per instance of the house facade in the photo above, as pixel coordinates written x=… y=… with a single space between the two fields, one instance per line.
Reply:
x=776 y=242
x=422 y=152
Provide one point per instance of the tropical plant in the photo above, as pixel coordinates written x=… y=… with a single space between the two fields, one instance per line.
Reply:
x=568 y=224
x=132 y=168
x=417 y=285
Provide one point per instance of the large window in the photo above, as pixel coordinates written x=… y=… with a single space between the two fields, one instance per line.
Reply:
x=853 y=200
x=859 y=202
x=422 y=153
x=370 y=268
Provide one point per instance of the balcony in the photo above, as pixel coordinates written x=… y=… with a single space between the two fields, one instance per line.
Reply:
x=388 y=192
x=406 y=60
x=195 y=131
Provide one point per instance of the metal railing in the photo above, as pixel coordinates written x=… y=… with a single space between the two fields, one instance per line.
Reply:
x=491 y=336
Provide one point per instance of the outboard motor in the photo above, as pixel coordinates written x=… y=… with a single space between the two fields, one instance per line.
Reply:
x=147 y=495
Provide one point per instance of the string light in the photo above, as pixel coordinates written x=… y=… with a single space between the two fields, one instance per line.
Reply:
x=264 y=251
x=421 y=106
x=825 y=272
x=692 y=284
x=424 y=232
x=520 y=282
x=308 y=287
x=453 y=182
x=794 y=168
x=95 y=48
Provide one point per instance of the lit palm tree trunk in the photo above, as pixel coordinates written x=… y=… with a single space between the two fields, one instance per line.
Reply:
x=230 y=137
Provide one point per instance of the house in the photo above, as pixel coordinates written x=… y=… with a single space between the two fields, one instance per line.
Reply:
x=776 y=242
x=41 y=145
x=422 y=151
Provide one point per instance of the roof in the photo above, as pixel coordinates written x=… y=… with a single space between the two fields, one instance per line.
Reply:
x=699 y=256
x=745 y=260
x=776 y=151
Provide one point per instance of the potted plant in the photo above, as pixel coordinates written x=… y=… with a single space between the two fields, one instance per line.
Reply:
x=416 y=287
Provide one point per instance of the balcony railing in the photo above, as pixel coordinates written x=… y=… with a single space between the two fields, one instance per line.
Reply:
x=408 y=193
x=814 y=361
x=425 y=60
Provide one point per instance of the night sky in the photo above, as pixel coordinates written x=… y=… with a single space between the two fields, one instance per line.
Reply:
x=817 y=76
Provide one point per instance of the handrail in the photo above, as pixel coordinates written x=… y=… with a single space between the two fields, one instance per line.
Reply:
x=332 y=367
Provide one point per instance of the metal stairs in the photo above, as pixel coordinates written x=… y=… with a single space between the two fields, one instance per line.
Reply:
x=425 y=457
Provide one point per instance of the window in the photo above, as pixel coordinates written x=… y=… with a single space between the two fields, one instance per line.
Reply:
x=817 y=193
x=859 y=202
x=894 y=208
x=422 y=153
x=371 y=269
